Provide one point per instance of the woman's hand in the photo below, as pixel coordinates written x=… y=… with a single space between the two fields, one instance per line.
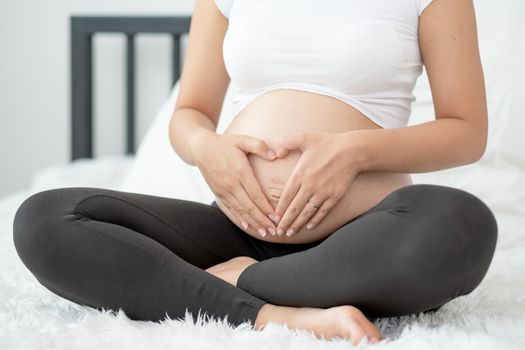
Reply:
x=323 y=174
x=223 y=162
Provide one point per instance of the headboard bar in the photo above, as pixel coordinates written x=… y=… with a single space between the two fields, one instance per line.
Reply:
x=82 y=30
x=175 y=52
x=130 y=93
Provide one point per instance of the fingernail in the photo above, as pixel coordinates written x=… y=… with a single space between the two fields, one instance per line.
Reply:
x=280 y=231
x=271 y=217
x=262 y=232
x=245 y=225
x=270 y=154
x=271 y=230
x=309 y=226
x=289 y=232
x=276 y=218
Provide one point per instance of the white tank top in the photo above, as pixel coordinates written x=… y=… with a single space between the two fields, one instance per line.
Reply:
x=362 y=52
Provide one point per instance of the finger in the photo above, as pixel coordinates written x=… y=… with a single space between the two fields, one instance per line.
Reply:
x=257 y=146
x=294 y=209
x=263 y=223
x=291 y=187
x=289 y=142
x=306 y=214
x=320 y=213
x=237 y=211
x=253 y=188
x=290 y=190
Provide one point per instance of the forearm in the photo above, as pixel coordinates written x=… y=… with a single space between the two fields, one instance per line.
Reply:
x=186 y=127
x=431 y=146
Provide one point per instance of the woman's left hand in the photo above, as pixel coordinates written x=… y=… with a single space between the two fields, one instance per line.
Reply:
x=324 y=172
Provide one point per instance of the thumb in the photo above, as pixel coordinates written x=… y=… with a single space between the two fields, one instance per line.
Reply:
x=257 y=146
x=290 y=142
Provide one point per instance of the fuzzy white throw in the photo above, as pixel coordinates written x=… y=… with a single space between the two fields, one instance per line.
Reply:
x=31 y=317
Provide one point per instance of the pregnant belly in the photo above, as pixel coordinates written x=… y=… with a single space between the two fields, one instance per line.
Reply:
x=285 y=111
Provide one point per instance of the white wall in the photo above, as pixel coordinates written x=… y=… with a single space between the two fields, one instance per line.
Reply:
x=35 y=81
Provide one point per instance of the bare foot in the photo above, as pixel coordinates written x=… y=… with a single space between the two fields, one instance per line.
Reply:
x=231 y=270
x=345 y=321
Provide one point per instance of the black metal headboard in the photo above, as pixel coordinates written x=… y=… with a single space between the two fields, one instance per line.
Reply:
x=82 y=30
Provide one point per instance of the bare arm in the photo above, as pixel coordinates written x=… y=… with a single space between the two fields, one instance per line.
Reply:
x=458 y=135
x=203 y=82
x=221 y=159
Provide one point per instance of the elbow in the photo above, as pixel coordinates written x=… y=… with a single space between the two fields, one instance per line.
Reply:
x=478 y=153
x=477 y=147
x=472 y=142
x=482 y=147
x=172 y=125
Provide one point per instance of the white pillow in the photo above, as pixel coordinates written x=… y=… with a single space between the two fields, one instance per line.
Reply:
x=498 y=178
x=158 y=169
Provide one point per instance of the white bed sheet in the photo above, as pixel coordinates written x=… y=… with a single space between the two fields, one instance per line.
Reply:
x=493 y=316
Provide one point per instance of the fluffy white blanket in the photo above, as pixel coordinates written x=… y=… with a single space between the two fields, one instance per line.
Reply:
x=31 y=317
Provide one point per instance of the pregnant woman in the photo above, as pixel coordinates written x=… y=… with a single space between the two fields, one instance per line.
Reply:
x=316 y=222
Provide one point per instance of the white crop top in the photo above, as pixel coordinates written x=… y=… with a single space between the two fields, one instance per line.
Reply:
x=362 y=52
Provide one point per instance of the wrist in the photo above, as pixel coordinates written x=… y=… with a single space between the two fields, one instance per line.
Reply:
x=355 y=145
x=197 y=143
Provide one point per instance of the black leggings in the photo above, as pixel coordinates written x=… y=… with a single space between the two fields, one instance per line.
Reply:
x=420 y=247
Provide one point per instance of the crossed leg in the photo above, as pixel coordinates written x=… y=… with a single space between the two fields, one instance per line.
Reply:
x=420 y=247
x=417 y=249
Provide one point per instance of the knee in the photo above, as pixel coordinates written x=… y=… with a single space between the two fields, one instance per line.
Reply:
x=452 y=210
x=474 y=228
x=463 y=233
x=36 y=219
x=468 y=218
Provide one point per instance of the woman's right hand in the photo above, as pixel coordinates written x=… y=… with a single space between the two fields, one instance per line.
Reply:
x=223 y=161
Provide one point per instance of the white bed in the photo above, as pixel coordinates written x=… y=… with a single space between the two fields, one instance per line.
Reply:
x=493 y=316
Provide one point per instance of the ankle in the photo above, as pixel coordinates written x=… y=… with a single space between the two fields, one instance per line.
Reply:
x=272 y=313
x=263 y=316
